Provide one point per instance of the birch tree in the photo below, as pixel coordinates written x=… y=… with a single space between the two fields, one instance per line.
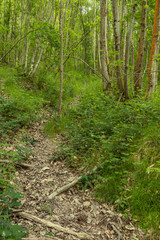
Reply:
x=105 y=76
x=152 y=66
x=116 y=28
x=61 y=56
x=127 y=55
x=140 y=56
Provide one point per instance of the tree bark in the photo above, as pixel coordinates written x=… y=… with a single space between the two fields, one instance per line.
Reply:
x=153 y=47
x=128 y=43
x=154 y=70
x=116 y=27
x=61 y=55
x=105 y=76
x=132 y=70
x=140 y=57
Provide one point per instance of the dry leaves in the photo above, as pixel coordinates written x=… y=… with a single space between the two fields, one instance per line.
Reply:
x=72 y=209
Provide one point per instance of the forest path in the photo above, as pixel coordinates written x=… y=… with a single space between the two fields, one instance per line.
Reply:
x=76 y=213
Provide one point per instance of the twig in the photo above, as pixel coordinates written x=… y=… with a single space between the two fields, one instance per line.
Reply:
x=64 y=188
x=41 y=238
x=69 y=185
x=47 y=223
x=25 y=165
x=116 y=230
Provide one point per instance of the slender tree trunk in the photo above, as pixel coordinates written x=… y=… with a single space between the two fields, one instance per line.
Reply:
x=116 y=27
x=27 y=22
x=140 y=57
x=26 y=55
x=122 y=29
x=154 y=70
x=128 y=43
x=105 y=77
x=153 y=47
x=98 y=64
x=132 y=70
x=38 y=61
x=106 y=37
x=61 y=55
x=94 y=37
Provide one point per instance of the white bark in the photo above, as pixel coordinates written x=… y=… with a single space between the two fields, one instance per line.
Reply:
x=105 y=76
x=61 y=55
x=127 y=49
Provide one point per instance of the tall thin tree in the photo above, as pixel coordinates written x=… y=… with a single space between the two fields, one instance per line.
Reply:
x=140 y=57
x=105 y=76
x=116 y=28
x=153 y=47
x=127 y=50
x=61 y=56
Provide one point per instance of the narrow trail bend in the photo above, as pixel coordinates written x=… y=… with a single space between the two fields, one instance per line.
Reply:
x=72 y=215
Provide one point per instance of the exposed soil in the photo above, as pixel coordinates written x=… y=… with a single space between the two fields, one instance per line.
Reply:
x=74 y=209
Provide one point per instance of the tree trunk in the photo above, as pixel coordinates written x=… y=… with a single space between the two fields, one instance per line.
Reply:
x=132 y=70
x=94 y=37
x=116 y=27
x=139 y=62
x=61 y=55
x=105 y=77
x=128 y=43
x=150 y=83
x=154 y=70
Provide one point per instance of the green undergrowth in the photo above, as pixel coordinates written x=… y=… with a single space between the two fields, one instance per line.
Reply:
x=19 y=107
x=9 y=194
x=21 y=101
x=122 y=140
x=47 y=85
x=43 y=88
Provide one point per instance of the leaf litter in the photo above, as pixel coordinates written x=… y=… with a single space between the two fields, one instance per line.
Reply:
x=76 y=213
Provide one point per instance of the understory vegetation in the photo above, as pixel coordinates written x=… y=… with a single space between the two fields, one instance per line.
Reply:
x=18 y=109
x=122 y=140
x=22 y=102
x=119 y=140
x=91 y=70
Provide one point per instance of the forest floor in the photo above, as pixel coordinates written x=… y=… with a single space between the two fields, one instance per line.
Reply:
x=73 y=214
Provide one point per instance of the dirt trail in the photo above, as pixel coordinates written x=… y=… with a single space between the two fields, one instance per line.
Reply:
x=75 y=211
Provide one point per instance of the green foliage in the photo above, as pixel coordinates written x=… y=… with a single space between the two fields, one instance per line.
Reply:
x=143 y=193
x=104 y=133
x=26 y=138
x=75 y=84
x=11 y=117
x=18 y=106
x=46 y=33
x=9 y=199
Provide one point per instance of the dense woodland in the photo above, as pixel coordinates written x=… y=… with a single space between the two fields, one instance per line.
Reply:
x=94 y=67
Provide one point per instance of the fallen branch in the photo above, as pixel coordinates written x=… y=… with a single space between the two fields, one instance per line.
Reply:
x=116 y=230
x=65 y=188
x=75 y=181
x=47 y=223
x=69 y=185
x=24 y=165
x=41 y=238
